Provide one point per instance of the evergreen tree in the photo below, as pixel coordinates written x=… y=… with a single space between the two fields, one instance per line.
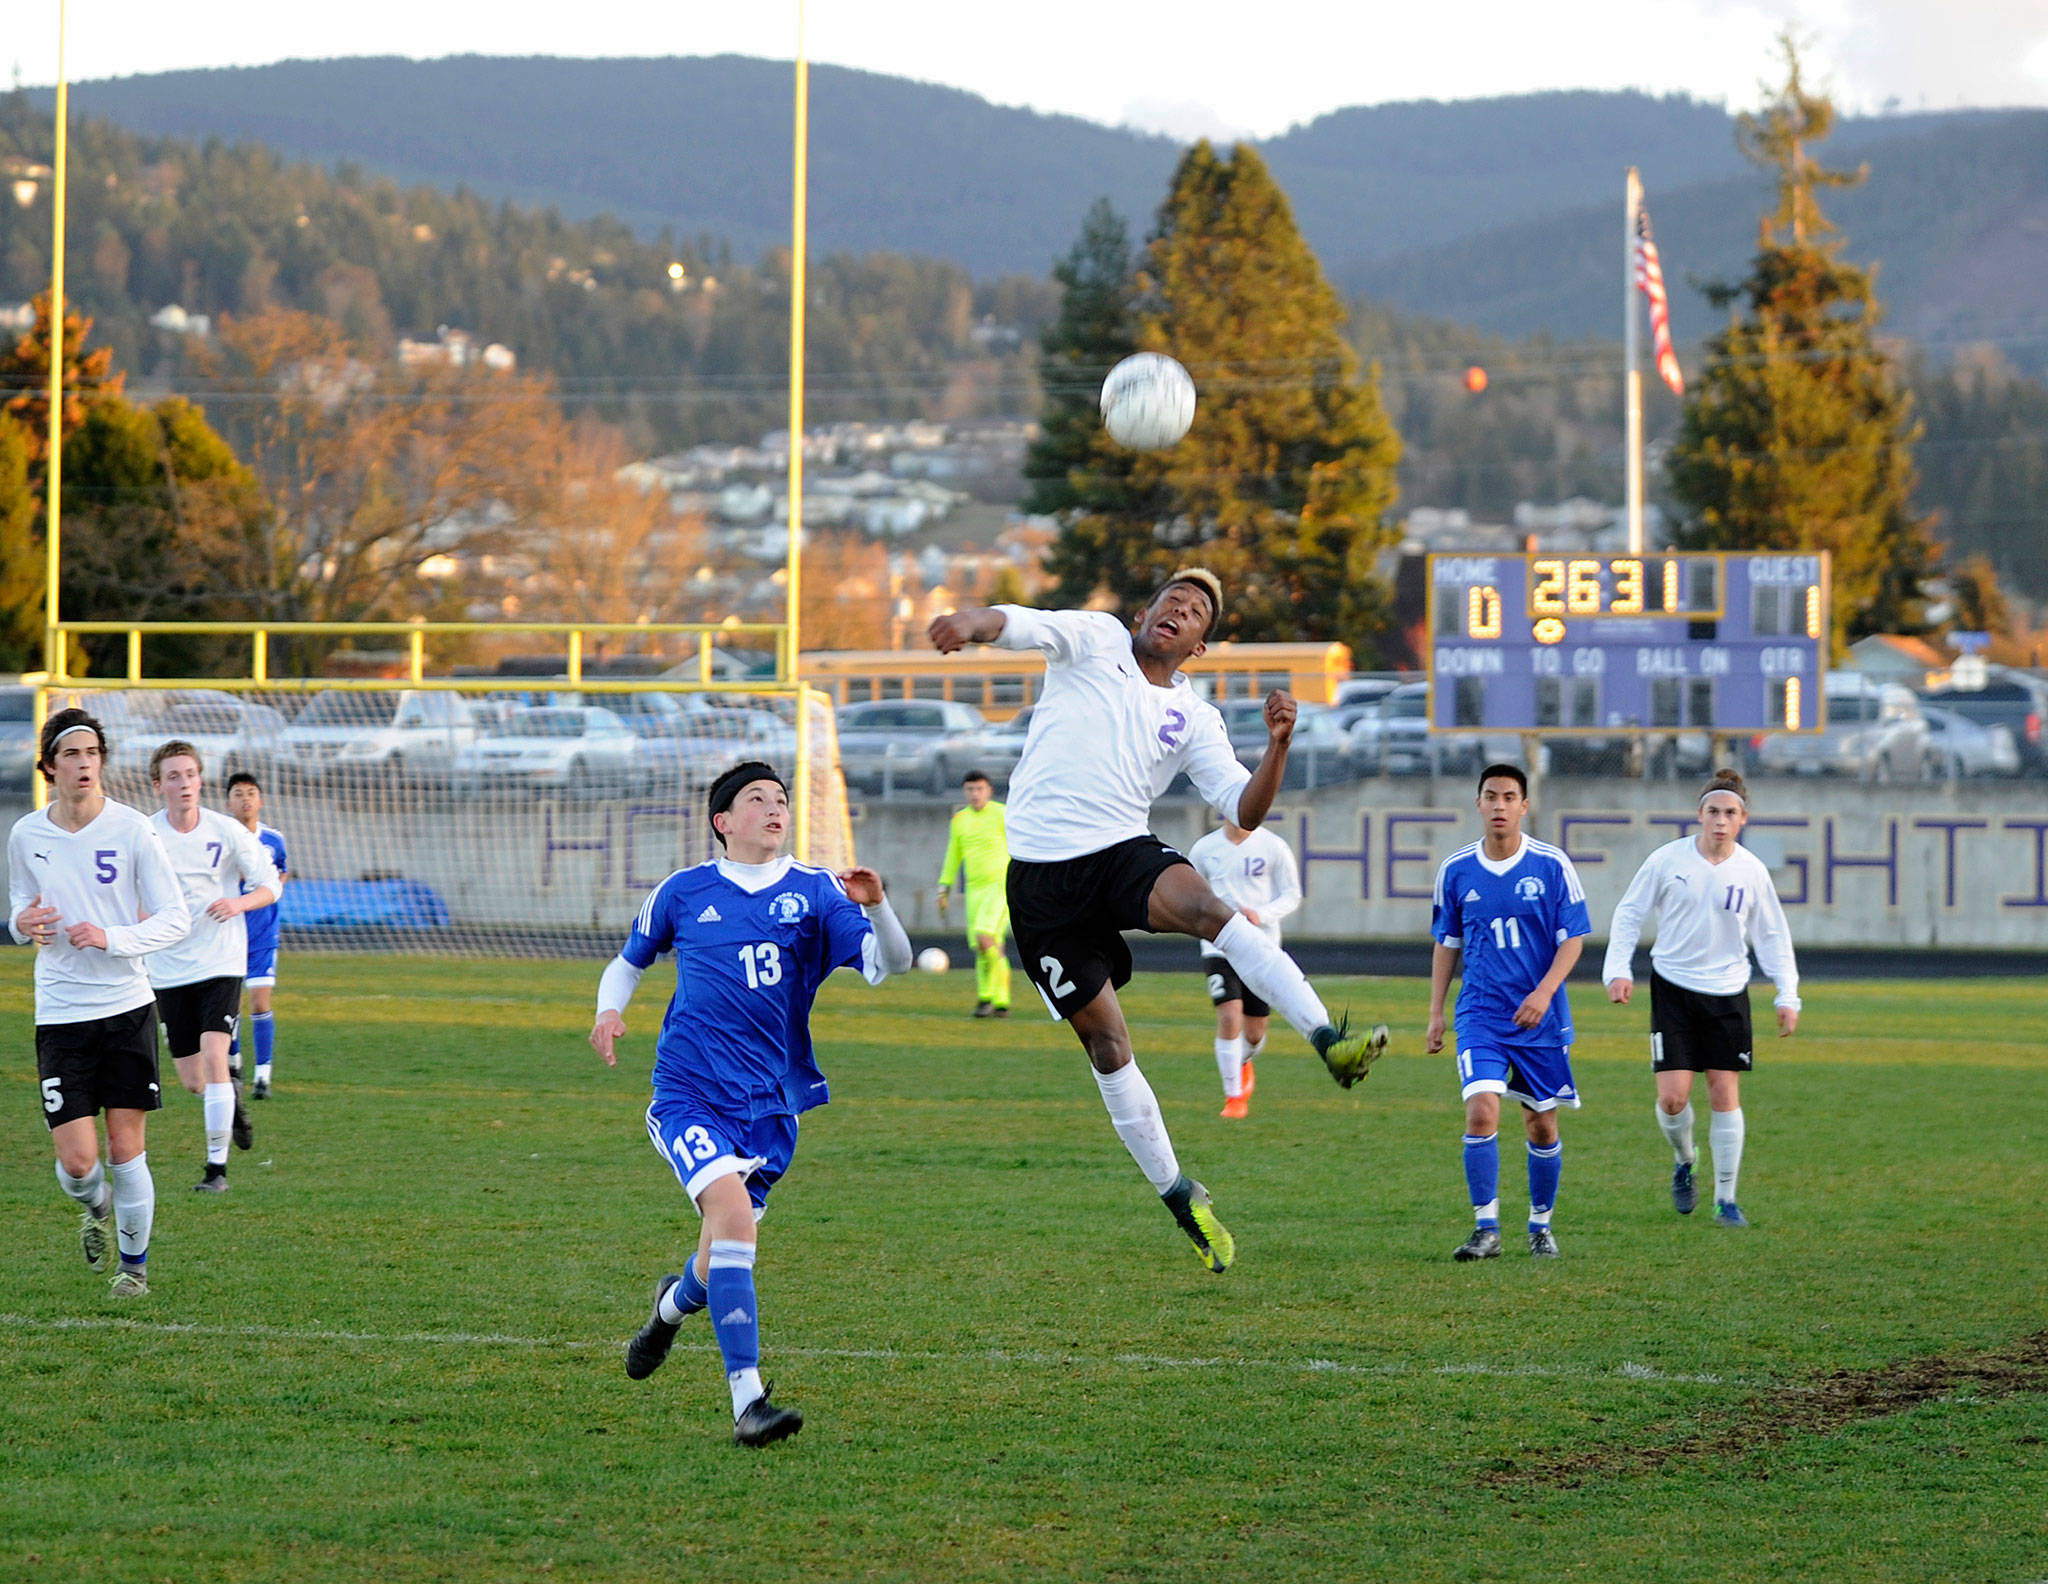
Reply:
x=1799 y=435
x=1095 y=330
x=1284 y=482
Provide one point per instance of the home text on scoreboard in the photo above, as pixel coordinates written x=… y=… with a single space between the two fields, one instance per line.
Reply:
x=1672 y=641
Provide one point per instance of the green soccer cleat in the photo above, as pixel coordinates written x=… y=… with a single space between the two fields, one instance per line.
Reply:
x=128 y=1282
x=1189 y=1202
x=1349 y=1056
x=92 y=1234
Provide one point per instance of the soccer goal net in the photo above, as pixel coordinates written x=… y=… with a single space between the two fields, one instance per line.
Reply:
x=526 y=819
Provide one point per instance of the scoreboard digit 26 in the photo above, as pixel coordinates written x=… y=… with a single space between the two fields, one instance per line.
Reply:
x=1672 y=641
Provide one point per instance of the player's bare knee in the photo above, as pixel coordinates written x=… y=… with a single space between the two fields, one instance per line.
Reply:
x=1541 y=1126
x=1108 y=1049
x=1482 y=1115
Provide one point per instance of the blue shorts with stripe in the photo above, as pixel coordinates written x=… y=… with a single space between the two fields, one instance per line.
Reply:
x=701 y=1144
x=1540 y=1076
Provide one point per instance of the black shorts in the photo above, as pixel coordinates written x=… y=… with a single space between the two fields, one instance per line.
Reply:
x=1224 y=985
x=212 y=1006
x=1692 y=1032
x=1070 y=916
x=102 y=1064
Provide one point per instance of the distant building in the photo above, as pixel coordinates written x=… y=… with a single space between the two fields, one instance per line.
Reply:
x=456 y=349
x=173 y=320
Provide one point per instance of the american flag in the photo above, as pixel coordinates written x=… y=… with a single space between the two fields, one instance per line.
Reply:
x=1650 y=278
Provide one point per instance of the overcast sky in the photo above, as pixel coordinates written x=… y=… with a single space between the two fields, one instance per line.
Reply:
x=1193 y=66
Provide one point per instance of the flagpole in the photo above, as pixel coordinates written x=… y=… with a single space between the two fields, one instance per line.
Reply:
x=1633 y=374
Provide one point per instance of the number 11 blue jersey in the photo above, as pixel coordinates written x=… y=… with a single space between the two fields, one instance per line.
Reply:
x=1509 y=920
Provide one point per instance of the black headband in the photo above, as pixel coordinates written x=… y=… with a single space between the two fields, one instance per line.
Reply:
x=737 y=779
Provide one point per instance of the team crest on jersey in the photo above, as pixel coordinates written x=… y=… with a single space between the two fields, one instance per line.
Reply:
x=1528 y=888
x=789 y=906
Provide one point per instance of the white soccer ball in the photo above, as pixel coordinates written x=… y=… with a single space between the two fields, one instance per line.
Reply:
x=1148 y=402
x=932 y=960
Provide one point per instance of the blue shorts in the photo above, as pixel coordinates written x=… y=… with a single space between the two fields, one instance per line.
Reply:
x=701 y=1145
x=262 y=965
x=1539 y=1076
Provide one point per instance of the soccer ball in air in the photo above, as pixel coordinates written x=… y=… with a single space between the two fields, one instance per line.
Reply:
x=1148 y=402
x=932 y=960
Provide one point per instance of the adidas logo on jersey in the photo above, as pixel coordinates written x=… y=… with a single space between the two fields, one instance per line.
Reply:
x=709 y=915
x=1471 y=896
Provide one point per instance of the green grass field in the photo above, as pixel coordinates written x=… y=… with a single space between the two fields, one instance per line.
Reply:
x=392 y=1351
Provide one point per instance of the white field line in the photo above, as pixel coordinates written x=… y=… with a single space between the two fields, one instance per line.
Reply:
x=1023 y=1358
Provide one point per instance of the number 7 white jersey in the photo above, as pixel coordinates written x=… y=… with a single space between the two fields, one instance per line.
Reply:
x=218 y=857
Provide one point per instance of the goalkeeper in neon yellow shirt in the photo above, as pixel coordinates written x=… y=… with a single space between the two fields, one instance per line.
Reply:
x=976 y=843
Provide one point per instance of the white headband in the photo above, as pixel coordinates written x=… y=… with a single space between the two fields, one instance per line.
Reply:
x=67 y=731
x=1712 y=791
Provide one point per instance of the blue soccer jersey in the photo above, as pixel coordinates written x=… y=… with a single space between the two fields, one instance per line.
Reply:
x=1509 y=919
x=262 y=922
x=737 y=1034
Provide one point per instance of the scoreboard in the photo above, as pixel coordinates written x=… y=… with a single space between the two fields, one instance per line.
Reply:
x=1672 y=641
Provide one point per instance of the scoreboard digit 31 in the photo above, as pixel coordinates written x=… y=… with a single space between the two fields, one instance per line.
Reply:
x=1674 y=641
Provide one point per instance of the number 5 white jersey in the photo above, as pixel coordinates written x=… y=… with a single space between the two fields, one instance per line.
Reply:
x=111 y=873
x=212 y=860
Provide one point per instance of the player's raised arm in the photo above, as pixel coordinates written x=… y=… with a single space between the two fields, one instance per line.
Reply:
x=1256 y=801
x=955 y=630
x=886 y=948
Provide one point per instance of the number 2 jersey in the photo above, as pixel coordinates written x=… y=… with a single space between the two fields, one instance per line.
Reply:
x=753 y=943
x=1509 y=918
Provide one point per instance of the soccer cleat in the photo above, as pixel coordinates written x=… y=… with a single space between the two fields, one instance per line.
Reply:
x=242 y=1130
x=1250 y=1081
x=652 y=1341
x=1234 y=1107
x=129 y=1282
x=1484 y=1243
x=1542 y=1244
x=1685 y=1193
x=1349 y=1056
x=215 y=1180
x=92 y=1235
x=1189 y=1202
x=763 y=1423
x=1725 y=1214
x=982 y=1009
x=261 y=1089
x=1001 y=1012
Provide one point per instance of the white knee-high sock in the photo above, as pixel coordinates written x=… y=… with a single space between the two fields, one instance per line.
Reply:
x=1271 y=975
x=1230 y=1063
x=1252 y=1048
x=1725 y=1132
x=1678 y=1132
x=134 y=1206
x=1134 y=1113
x=220 y=1117
x=90 y=1190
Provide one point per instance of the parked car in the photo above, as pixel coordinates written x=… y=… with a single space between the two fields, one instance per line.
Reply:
x=343 y=734
x=1874 y=731
x=893 y=744
x=1322 y=751
x=710 y=741
x=1963 y=748
x=1364 y=690
x=1397 y=740
x=17 y=739
x=2012 y=699
x=583 y=750
x=996 y=748
x=230 y=733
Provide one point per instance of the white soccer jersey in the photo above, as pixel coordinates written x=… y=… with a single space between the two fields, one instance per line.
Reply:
x=1704 y=912
x=1104 y=742
x=212 y=860
x=1257 y=873
x=113 y=873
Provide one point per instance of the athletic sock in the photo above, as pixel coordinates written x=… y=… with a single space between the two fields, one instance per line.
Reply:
x=134 y=1207
x=729 y=1285
x=1254 y=1048
x=1678 y=1133
x=1134 y=1113
x=1482 y=1177
x=1271 y=975
x=1725 y=1132
x=220 y=1117
x=984 y=977
x=1546 y=1166
x=685 y=1297
x=262 y=1034
x=1230 y=1063
x=1001 y=979
x=90 y=1190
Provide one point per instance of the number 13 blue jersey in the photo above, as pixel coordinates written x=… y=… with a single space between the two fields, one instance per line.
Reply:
x=1509 y=920
x=737 y=1034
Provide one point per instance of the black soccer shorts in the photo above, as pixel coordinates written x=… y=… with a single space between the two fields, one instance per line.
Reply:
x=212 y=1006
x=1070 y=915
x=1224 y=985
x=101 y=1064
x=1694 y=1032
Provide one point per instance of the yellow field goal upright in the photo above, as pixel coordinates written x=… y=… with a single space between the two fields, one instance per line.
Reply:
x=521 y=802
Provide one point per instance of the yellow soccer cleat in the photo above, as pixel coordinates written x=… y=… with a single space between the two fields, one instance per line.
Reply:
x=1189 y=1202
x=1350 y=1056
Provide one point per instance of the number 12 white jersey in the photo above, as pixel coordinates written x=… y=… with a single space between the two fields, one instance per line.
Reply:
x=1257 y=873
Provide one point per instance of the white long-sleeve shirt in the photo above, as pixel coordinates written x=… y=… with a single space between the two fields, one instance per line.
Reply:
x=113 y=873
x=1706 y=915
x=218 y=857
x=1257 y=873
x=1104 y=742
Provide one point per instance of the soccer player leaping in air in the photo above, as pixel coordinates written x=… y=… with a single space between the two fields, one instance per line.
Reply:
x=754 y=935
x=1117 y=720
